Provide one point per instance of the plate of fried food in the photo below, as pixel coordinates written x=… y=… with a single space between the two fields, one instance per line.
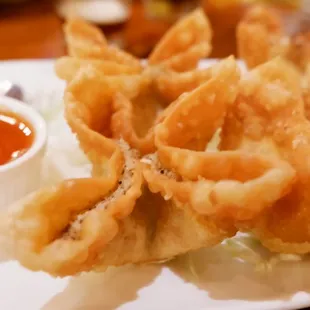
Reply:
x=174 y=183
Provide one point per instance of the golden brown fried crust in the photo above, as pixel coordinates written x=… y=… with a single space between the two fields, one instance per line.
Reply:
x=83 y=236
x=64 y=229
x=90 y=52
x=270 y=115
x=87 y=44
x=257 y=34
x=160 y=229
x=136 y=127
x=261 y=37
x=86 y=41
x=110 y=225
x=67 y=67
x=82 y=38
x=173 y=84
x=305 y=82
x=88 y=108
x=223 y=184
x=181 y=197
x=127 y=106
x=184 y=44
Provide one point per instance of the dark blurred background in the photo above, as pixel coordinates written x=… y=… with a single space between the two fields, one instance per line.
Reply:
x=33 y=29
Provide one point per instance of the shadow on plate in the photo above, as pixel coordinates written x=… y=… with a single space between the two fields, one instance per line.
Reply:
x=207 y=276
x=225 y=278
x=107 y=290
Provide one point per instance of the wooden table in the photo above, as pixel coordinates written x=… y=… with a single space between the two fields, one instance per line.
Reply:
x=31 y=30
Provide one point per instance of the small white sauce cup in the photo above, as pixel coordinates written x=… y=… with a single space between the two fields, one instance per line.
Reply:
x=23 y=175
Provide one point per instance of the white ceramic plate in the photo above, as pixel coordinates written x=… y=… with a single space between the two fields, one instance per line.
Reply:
x=220 y=281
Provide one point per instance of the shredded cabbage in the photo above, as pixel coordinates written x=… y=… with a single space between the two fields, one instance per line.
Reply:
x=248 y=249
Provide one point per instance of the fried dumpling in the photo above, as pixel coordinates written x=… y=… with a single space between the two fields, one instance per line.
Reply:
x=188 y=41
x=135 y=117
x=118 y=106
x=88 y=108
x=180 y=49
x=67 y=67
x=111 y=218
x=305 y=83
x=64 y=229
x=87 y=41
x=226 y=184
x=261 y=36
x=268 y=118
x=129 y=106
x=80 y=225
x=173 y=84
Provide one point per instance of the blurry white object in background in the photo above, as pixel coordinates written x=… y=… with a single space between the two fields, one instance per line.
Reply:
x=101 y=12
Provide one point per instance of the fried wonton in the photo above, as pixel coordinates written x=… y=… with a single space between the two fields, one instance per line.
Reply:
x=188 y=41
x=261 y=37
x=63 y=229
x=157 y=190
x=120 y=221
x=129 y=106
x=268 y=118
x=230 y=184
x=88 y=42
x=67 y=67
x=88 y=109
x=135 y=117
x=180 y=49
x=172 y=84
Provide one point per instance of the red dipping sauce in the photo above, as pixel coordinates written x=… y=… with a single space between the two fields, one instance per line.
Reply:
x=16 y=137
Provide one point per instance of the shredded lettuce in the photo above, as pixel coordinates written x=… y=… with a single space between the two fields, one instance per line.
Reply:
x=249 y=250
x=243 y=249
